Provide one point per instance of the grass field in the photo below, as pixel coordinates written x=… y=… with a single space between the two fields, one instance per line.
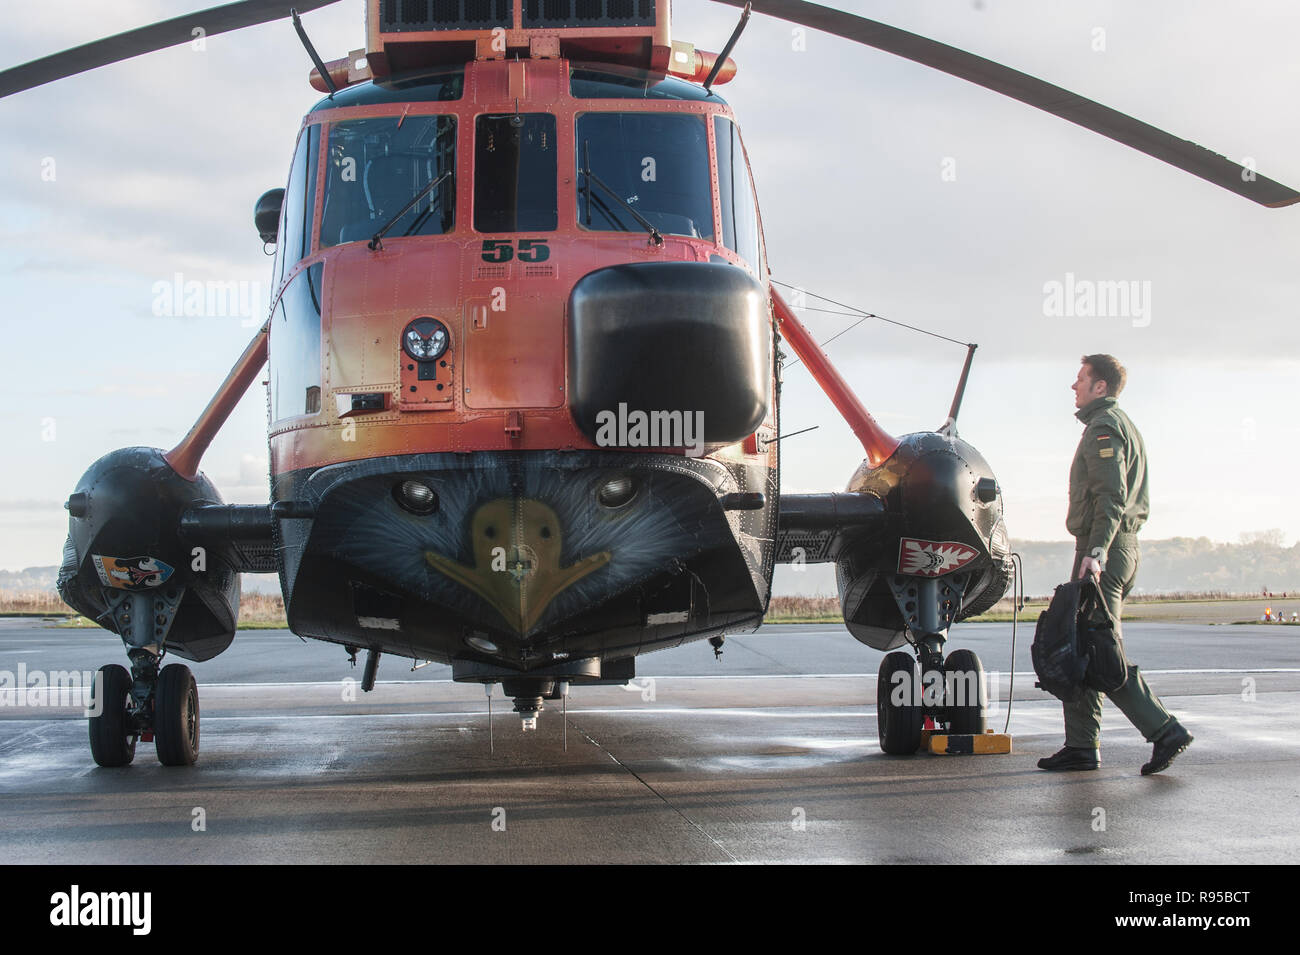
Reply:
x=1166 y=608
x=256 y=611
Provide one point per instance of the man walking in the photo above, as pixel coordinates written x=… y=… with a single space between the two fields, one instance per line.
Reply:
x=1109 y=503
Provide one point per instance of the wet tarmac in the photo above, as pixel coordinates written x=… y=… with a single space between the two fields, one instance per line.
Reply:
x=767 y=756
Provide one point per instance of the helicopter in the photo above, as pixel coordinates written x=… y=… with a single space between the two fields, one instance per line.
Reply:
x=525 y=363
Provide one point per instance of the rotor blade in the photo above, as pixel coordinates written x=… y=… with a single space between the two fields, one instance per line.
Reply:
x=1182 y=153
x=157 y=36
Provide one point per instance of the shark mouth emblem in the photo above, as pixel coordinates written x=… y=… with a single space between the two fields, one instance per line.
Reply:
x=932 y=558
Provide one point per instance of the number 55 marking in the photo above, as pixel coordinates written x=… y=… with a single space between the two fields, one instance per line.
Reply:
x=533 y=250
x=498 y=251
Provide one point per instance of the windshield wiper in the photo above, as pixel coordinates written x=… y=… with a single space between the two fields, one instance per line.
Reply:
x=646 y=224
x=376 y=240
x=605 y=211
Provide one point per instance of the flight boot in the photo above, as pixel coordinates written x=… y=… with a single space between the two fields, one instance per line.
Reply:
x=1167 y=745
x=1072 y=757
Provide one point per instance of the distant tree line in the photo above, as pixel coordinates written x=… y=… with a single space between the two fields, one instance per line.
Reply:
x=1258 y=564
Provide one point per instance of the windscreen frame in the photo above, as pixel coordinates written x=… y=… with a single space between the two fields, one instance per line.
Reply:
x=446 y=193
x=658 y=217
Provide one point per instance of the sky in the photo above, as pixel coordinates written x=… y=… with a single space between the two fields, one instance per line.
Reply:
x=882 y=184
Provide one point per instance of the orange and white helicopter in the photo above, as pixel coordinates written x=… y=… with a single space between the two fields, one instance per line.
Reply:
x=524 y=380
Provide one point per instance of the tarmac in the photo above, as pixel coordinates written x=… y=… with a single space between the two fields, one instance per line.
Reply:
x=767 y=756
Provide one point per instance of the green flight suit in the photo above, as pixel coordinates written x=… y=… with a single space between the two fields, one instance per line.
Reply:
x=1109 y=503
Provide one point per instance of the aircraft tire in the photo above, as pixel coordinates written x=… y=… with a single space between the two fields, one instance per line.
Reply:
x=899 y=720
x=971 y=715
x=176 y=716
x=111 y=741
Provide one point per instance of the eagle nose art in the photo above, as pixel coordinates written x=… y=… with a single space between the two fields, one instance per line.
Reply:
x=516 y=546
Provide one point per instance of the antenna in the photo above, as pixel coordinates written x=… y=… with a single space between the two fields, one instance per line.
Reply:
x=726 y=50
x=315 y=57
x=949 y=427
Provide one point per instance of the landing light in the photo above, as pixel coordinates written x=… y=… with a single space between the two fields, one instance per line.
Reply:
x=425 y=339
x=616 y=492
x=482 y=644
x=416 y=496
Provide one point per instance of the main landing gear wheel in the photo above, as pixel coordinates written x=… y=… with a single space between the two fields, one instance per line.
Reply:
x=898 y=704
x=964 y=680
x=176 y=716
x=112 y=739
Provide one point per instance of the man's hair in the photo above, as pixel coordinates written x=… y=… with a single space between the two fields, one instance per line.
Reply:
x=1106 y=368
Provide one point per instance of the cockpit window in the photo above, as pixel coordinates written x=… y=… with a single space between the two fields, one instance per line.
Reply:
x=376 y=166
x=515 y=172
x=655 y=163
x=740 y=231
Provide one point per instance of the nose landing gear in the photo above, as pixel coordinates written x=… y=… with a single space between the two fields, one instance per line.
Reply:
x=950 y=691
x=158 y=706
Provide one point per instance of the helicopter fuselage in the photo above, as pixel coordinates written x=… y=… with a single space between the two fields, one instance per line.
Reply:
x=530 y=423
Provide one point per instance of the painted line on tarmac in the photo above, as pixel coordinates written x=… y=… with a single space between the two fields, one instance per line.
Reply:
x=749 y=676
x=1032 y=709
x=658 y=711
